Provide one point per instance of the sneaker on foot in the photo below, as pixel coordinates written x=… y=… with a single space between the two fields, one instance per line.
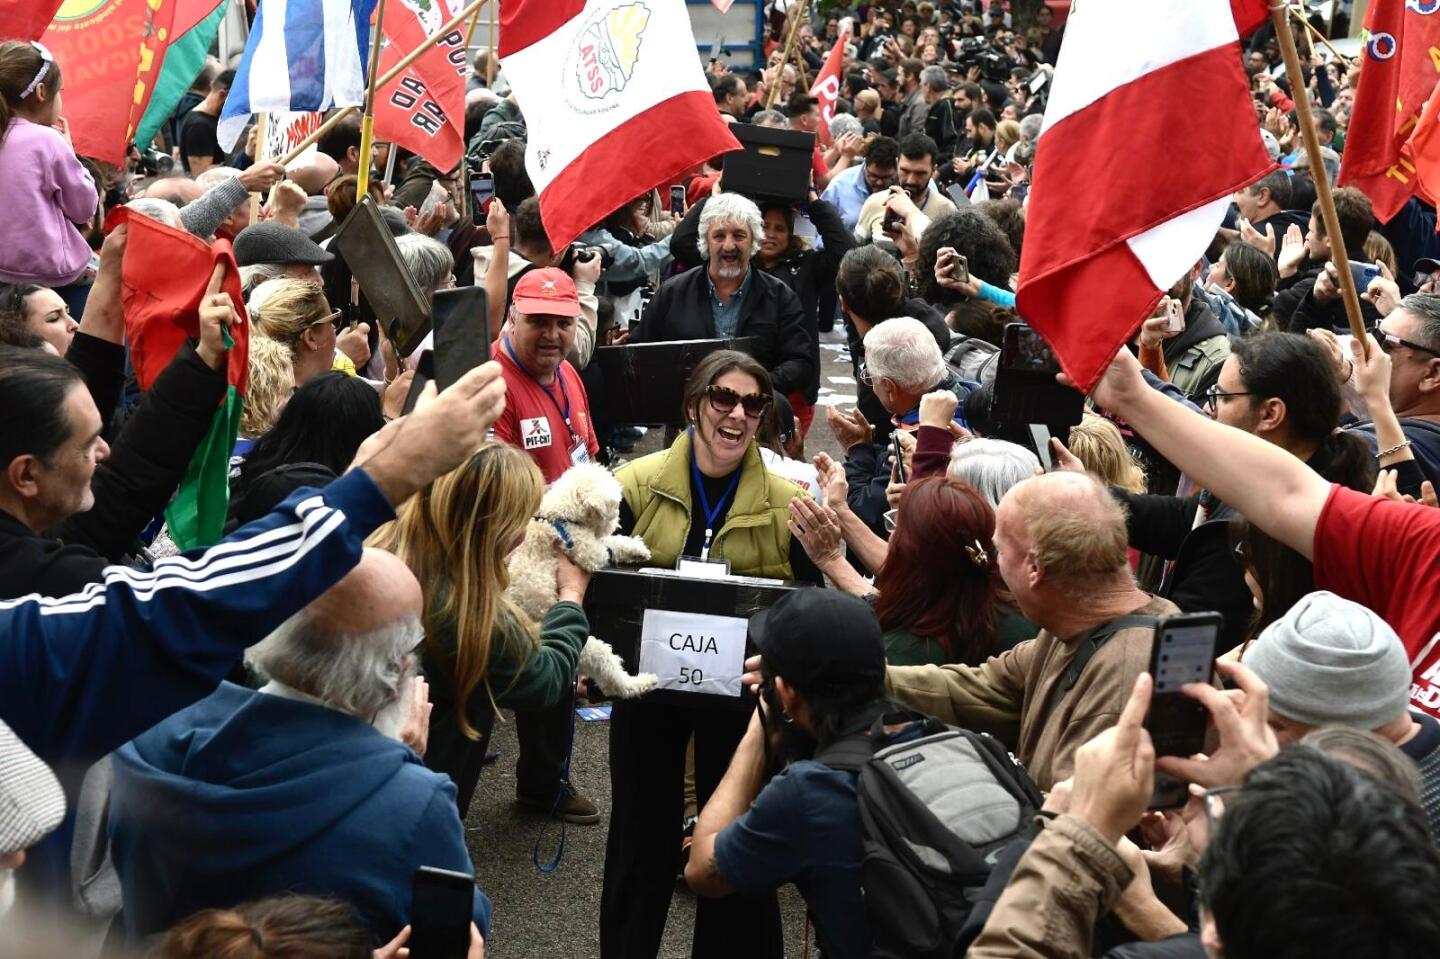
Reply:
x=573 y=806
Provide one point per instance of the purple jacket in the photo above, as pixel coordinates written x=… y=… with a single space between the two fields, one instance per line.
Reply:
x=48 y=193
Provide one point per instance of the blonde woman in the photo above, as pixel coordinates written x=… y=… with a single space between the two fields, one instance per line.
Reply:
x=1098 y=444
x=271 y=383
x=296 y=314
x=481 y=652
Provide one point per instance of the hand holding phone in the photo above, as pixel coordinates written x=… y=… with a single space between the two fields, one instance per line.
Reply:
x=899 y=457
x=1183 y=652
x=1177 y=320
x=677 y=200
x=441 y=910
x=482 y=188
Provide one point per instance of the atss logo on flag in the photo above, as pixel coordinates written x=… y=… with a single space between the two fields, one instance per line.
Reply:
x=603 y=60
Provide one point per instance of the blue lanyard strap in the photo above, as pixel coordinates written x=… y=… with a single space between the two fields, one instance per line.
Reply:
x=565 y=412
x=710 y=514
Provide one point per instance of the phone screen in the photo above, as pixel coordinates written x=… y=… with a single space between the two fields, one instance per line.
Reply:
x=1184 y=652
x=677 y=200
x=482 y=188
x=424 y=373
x=440 y=914
x=1026 y=351
x=462 y=332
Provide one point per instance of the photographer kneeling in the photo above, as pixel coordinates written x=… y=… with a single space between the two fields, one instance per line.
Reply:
x=824 y=678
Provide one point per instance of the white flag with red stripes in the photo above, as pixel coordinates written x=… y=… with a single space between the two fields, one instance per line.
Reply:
x=827 y=84
x=1143 y=145
x=615 y=102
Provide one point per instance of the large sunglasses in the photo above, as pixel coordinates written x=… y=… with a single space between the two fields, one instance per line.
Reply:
x=724 y=400
x=1388 y=341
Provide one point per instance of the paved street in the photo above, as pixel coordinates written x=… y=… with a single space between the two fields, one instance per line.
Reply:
x=556 y=916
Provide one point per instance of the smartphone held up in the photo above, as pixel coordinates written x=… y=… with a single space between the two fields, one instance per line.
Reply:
x=1184 y=652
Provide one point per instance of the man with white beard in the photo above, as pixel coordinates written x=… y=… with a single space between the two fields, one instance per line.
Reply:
x=725 y=298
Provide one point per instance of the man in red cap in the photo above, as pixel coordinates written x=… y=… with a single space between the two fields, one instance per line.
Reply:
x=547 y=413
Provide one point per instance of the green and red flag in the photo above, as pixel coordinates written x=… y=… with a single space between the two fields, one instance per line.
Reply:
x=164 y=278
x=193 y=30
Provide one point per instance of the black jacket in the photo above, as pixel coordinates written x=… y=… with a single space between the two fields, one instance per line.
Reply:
x=770 y=313
x=865 y=397
x=1310 y=314
x=1205 y=575
x=810 y=272
x=1289 y=291
x=146 y=463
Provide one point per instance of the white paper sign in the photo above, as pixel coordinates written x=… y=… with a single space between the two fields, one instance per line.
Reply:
x=693 y=652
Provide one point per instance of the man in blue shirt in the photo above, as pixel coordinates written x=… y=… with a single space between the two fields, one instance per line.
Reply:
x=851 y=187
x=824 y=668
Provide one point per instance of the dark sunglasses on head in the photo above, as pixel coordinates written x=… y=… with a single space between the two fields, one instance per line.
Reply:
x=724 y=400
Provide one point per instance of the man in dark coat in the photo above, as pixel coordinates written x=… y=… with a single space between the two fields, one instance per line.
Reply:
x=725 y=298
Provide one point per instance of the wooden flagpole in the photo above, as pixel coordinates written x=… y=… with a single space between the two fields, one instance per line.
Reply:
x=490 y=60
x=389 y=75
x=798 y=12
x=367 y=122
x=262 y=138
x=1338 y=255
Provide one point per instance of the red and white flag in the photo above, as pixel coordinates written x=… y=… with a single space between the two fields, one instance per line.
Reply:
x=1097 y=255
x=614 y=100
x=827 y=84
x=423 y=109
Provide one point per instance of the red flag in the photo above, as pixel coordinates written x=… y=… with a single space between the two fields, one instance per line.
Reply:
x=1397 y=78
x=110 y=53
x=827 y=85
x=26 y=19
x=1423 y=149
x=163 y=277
x=423 y=109
x=1097 y=260
x=615 y=103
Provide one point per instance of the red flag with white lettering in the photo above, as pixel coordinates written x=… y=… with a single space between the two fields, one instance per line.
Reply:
x=827 y=84
x=423 y=109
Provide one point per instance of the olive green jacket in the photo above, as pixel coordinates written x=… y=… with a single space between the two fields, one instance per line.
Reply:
x=755 y=539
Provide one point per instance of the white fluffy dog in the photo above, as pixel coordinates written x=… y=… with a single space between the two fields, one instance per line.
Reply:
x=580 y=511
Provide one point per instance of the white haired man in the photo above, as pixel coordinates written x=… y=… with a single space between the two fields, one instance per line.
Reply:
x=724 y=298
x=304 y=786
x=902 y=363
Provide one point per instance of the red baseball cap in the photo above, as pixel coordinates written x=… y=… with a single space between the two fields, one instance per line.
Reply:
x=548 y=291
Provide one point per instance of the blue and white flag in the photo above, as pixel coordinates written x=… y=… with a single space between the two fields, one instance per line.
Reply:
x=301 y=55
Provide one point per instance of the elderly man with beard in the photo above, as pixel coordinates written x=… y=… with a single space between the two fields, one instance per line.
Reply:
x=724 y=298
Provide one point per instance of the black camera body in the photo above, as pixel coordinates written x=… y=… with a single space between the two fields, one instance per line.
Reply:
x=977 y=52
x=580 y=253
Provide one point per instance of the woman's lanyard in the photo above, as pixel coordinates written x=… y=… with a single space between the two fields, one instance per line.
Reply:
x=565 y=411
x=710 y=514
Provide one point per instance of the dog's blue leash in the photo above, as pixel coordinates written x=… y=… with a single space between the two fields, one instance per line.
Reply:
x=554 y=863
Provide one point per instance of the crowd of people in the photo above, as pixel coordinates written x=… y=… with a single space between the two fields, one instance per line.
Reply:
x=249 y=747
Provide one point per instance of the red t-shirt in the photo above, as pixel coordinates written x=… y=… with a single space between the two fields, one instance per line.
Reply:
x=534 y=419
x=1386 y=555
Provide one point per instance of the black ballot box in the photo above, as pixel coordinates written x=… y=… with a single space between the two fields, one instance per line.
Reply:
x=645 y=381
x=689 y=631
x=774 y=164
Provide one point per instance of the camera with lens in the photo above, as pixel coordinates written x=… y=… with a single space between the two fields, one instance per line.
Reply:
x=977 y=52
x=580 y=253
x=156 y=162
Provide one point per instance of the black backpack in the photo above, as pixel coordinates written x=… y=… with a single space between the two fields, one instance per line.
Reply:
x=938 y=808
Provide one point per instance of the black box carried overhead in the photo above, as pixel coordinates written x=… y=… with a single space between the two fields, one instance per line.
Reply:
x=775 y=164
